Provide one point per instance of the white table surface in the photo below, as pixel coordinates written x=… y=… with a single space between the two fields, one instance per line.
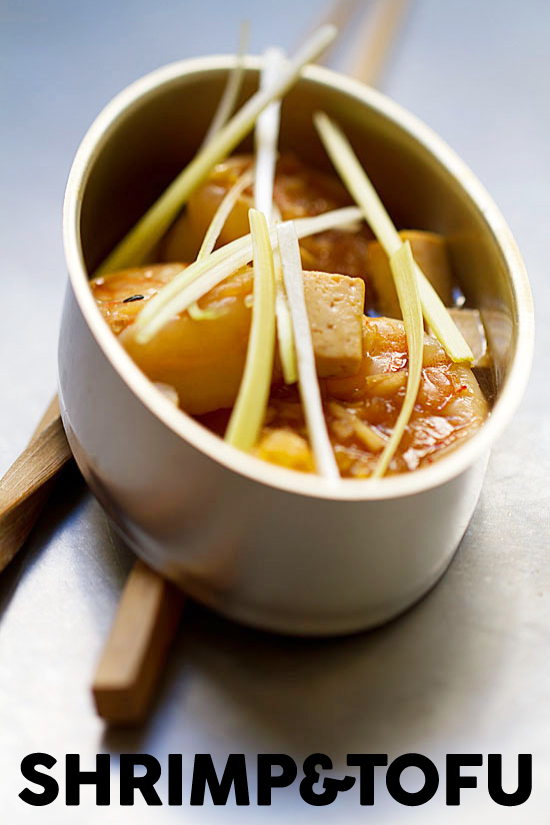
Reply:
x=468 y=669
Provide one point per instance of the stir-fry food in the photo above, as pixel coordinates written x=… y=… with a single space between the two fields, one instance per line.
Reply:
x=298 y=326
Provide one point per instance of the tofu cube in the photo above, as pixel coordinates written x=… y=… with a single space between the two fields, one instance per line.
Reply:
x=335 y=305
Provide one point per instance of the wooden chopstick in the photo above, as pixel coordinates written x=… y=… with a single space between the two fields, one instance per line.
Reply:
x=337 y=13
x=135 y=652
x=374 y=40
x=150 y=608
x=26 y=486
x=51 y=414
x=378 y=25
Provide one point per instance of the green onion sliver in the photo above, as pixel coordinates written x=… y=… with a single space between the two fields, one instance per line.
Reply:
x=249 y=409
x=361 y=189
x=406 y=284
x=222 y=213
x=266 y=138
x=307 y=374
x=266 y=135
x=232 y=88
x=213 y=233
x=138 y=243
x=201 y=276
x=285 y=335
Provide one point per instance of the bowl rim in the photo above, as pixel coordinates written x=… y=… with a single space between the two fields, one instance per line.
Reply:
x=193 y=433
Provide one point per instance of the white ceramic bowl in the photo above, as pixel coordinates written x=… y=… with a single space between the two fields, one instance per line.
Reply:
x=258 y=543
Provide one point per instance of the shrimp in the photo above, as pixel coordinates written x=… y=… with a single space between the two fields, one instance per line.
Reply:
x=361 y=410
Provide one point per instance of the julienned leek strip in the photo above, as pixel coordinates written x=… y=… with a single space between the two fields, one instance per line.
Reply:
x=406 y=284
x=213 y=233
x=222 y=213
x=202 y=276
x=285 y=336
x=307 y=374
x=139 y=242
x=249 y=409
x=221 y=116
x=266 y=135
x=265 y=143
x=232 y=88
x=360 y=187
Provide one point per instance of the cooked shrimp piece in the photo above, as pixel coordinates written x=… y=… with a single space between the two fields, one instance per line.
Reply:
x=449 y=408
x=299 y=191
x=361 y=410
x=121 y=296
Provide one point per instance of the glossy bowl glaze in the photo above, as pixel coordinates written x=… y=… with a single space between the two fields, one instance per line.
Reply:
x=260 y=544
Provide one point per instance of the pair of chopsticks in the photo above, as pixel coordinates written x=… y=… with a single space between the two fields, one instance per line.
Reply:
x=26 y=486
x=373 y=37
x=150 y=608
